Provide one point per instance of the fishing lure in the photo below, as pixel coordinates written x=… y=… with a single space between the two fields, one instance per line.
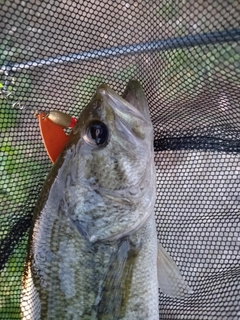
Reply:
x=52 y=125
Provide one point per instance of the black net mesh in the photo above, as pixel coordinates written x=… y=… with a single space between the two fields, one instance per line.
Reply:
x=186 y=54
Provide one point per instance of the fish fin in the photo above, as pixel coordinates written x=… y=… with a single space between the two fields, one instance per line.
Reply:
x=114 y=291
x=170 y=281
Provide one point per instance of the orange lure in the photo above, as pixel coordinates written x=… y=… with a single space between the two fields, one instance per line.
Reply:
x=51 y=126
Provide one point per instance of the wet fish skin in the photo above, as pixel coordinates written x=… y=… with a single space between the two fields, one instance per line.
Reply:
x=93 y=247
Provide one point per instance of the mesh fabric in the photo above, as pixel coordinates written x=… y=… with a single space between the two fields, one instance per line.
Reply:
x=53 y=55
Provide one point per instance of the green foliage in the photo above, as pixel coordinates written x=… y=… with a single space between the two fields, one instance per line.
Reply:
x=22 y=85
x=17 y=172
x=87 y=86
x=10 y=52
x=10 y=283
x=168 y=9
x=184 y=69
x=17 y=90
x=8 y=115
x=127 y=73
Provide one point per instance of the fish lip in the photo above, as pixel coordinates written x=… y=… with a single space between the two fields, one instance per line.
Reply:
x=109 y=94
x=135 y=95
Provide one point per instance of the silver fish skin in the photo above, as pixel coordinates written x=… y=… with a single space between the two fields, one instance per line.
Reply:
x=93 y=249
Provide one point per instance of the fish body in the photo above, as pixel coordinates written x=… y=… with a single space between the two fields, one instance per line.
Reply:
x=93 y=249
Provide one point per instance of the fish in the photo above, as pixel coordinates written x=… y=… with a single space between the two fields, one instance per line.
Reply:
x=93 y=250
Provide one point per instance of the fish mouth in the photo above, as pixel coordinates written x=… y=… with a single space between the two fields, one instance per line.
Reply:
x=134 y=94
x=133 y=100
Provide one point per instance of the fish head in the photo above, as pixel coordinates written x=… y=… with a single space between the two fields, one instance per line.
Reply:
x=113 y=154
x=117 y=137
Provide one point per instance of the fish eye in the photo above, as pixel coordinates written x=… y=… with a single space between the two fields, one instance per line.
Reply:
x=96 y=133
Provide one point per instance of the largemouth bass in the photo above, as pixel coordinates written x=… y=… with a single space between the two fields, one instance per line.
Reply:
x=93 y=248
